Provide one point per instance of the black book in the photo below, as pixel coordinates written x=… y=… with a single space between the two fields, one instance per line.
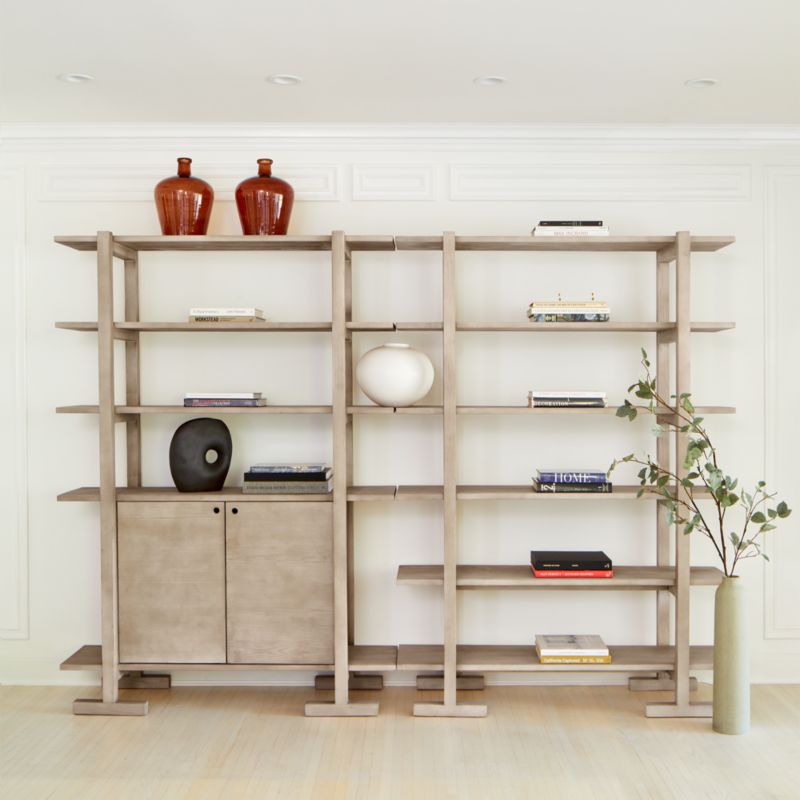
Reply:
x=604 y=487
x=570 y=560
x=568 y=223
x=282 y=477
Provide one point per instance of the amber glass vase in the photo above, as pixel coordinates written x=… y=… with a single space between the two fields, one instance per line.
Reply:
x=264 y=202
x=183 y=202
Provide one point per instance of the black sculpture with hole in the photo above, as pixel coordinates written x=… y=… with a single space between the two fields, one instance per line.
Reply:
x=189 y=451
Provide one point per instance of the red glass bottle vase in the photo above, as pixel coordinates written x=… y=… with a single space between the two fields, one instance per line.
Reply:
x=183 y=202
x=264 y=202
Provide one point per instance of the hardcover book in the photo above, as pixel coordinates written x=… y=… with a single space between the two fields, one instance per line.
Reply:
x=210 y=402
x=564 y=645
x=566 y=488
x=569 y=317
x=222 y=311
x=573 y=230
x=287 y=487
x=280 y=468
x=570 y=559
x=547 y=223
x=571 y=476
x=575 y=659
x=223 y=395
x=572 y=573
x=267 y=477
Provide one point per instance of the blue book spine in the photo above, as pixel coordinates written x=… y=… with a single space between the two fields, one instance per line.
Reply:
x=571 y=477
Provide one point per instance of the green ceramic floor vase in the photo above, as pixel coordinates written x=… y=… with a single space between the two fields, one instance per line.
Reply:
x=731 y=659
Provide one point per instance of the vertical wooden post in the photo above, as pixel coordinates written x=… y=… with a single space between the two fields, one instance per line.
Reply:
x=682 y=589
x=110 y=703
x=449 y=707
x=348 y=369
x=132 y=374
x=342 y=471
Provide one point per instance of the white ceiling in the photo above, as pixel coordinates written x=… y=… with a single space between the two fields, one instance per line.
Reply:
x=370 y=61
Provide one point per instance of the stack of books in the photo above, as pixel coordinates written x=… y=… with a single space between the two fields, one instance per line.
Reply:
x=571 y=564
x=222 y=314
x=572 y=649
x=288 y=479
x=571 y=480
x=223 y=400
x=569 y=227
x=566 y=399
x=569 y=311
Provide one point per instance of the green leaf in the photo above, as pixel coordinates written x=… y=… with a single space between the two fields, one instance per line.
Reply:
x=735 y=539
x=783 y=509
x=766 y=527
x=640 y=493
x=622 y=411
x=764 y=556
x=758 y=518
x=657 y=430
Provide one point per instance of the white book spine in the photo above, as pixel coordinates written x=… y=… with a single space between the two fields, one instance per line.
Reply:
x=563 y=231
x=222 y=395
x=226 y=312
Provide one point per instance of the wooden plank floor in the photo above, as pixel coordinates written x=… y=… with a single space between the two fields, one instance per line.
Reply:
x=248 y=742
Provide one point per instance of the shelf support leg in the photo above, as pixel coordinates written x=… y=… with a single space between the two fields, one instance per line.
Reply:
x=133 y=427
x=342 y=458
x=449 y=707
x=681 y=707
x=110 y=703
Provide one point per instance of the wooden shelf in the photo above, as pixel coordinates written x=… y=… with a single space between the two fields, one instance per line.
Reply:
x=170 y=493
x=473 y=576
x=588 y=327
x=488 y=492
x=394 y=326
x=373 y=658
x=197 y=327
x=607 y=411
x=523 y=658
x=639 y=244
x=230 y=243
x=370 y=493
x=425 y=410
x=202 y=411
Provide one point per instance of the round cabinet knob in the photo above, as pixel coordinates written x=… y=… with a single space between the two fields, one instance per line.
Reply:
x=234 y=511
x=395 y=374
x=216 y=509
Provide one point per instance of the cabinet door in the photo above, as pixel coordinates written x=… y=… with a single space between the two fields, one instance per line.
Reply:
x=171 y=582
x=280 y=583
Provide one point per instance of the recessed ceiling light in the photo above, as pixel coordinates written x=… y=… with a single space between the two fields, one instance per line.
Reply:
x=489 y=80
x=284 y=80
x=700 y=83
x=75 y=77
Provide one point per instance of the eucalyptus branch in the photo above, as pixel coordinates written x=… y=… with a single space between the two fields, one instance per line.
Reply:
x=700 y=463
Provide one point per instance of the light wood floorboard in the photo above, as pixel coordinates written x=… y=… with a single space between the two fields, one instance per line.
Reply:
x=248 y=742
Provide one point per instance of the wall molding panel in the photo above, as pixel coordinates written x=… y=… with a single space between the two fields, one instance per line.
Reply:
x=781 y=206
x=14 y=577
x=115 y=183
x=606 y=182
x=394 y=182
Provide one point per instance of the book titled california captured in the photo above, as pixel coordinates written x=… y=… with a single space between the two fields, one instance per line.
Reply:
x=572 y=649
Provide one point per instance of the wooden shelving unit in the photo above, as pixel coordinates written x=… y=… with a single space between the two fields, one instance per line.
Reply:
x=670 y=576
x=671 y=658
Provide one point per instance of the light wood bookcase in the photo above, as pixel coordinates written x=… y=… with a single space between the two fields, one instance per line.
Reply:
x=665 y=666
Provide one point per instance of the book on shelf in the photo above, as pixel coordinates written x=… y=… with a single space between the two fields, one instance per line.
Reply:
x=572 y=573
x=266 y=477
x=572 y=476
x=571 y=645
x=223 y=318
x=224 y=311
x=212 y=402
x=278 y=469
x=575 y=659
x=549 y=305
x=553 y=487
x=537 y=399
x=570 y=560
x=571 y=230
x=569 y=223
x=287 y=487
x=223 y=395
x=571 y=317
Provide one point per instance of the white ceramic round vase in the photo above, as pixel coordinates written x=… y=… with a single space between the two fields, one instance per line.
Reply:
x=395 y=374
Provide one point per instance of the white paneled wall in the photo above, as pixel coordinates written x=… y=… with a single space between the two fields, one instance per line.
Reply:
x=402 y=181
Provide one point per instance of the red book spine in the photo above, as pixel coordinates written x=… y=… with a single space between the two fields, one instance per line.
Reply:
x=572 y=573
